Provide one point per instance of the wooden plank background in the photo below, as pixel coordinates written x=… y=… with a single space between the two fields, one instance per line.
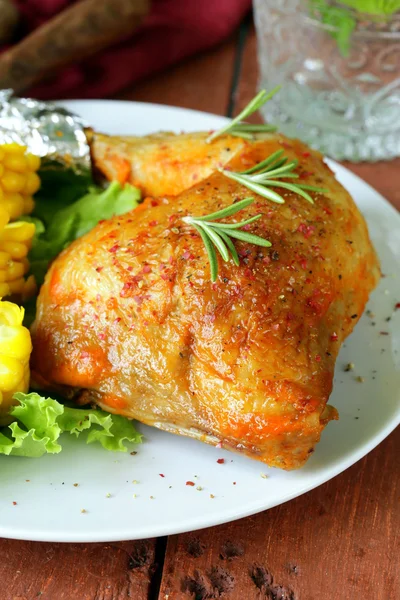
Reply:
x=338 y=542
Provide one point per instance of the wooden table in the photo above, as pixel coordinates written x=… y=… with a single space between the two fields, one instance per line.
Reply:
x=338 y=542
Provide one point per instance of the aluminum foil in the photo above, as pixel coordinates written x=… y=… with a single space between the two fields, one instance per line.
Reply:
x=45 y=128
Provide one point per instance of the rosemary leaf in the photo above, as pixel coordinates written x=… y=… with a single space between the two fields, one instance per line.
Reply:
x=245 y=236
x=258 y=188
x=228 y=211
x=217 y=236
x=231 y=247
x=216 y=240
x=212 y=256
x=236 y=127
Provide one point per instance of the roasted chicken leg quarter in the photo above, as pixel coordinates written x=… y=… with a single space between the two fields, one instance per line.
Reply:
x=129 y=319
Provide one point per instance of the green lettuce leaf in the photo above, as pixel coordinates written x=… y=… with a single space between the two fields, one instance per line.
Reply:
x=57 y=230
x=41 y=421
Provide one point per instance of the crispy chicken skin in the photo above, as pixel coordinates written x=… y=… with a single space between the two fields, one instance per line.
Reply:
x=162 y=164
x=129 y=319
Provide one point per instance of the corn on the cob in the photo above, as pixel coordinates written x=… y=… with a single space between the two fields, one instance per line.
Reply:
x=15 y=243
x=15 y=350
x=18 y=179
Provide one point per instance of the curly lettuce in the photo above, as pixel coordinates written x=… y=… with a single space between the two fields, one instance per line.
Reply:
x=40 y=422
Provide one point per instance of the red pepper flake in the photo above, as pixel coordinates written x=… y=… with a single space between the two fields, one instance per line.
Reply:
x=14 y=503
x=327 y=210
x=305 y=174
x=306 y=230
x=318 y=358
x=114 y=248
x=191 y=483
x=161 y=474
x=383 y=333
x=249 y=274
x=397 y=306
x=334 y=337
x=244 y=253
x=154 y=203
x=117 y=320
x=303 y=264
x=221 y=461
x=99 y=269
x=153 y=223
x=234 y=483
x=306 y=154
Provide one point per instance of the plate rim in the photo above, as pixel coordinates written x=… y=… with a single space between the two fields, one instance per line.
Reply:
x=340 y=465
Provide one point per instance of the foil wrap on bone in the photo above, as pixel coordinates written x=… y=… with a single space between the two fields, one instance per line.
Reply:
x=47 y=129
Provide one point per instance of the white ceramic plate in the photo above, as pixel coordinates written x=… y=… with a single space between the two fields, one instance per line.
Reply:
x=49 y=505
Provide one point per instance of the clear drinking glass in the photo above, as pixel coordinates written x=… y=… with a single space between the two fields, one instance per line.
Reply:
x=346 y=106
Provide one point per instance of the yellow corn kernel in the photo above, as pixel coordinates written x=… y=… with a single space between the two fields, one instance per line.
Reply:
x=4 y=260
x=15 y=350
x=4 y=217
x=10 y=313
x=29 y=205
x=18 y=180
x=14 y=270
x=4 y=289
x=32 y=184
x=18 y=232
x=11 y=372
x=16 y=285
x=33 y=162
x=16 y=250
x=13 y=148
x=15 y=341
x=30 y=288
x=16 y=162
x=13 y=182
x=14 y=203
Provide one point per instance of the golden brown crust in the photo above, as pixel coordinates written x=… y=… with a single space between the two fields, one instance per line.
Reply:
x=129 y=313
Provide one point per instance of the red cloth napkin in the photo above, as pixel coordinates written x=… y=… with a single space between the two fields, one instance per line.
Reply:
x=174 y=30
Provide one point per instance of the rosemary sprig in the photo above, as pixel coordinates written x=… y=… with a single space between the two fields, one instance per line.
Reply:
x=217 y=236
x=245 y=130
x=268 y=173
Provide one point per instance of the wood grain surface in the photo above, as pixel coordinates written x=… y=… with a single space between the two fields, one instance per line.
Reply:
x=338 y=542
